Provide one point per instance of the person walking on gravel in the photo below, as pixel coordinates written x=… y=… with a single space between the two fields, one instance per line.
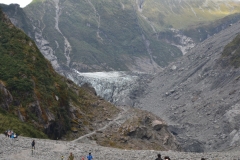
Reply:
x=71 y=157
x=159 y=157
x=33 y=144
x=89 y=157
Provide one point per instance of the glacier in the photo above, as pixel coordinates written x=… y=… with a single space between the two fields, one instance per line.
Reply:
x=118 y=87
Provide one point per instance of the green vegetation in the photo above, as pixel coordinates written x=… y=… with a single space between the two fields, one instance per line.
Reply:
x=181 y=15
x=41 y=96
x=29 y=77
x=232 y=52
x=9 y=121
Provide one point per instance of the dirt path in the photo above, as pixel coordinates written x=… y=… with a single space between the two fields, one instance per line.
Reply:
x=120 y=115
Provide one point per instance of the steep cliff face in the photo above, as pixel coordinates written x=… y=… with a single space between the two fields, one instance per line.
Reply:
x=141 y=36
x=5 y=97
x=199 y=94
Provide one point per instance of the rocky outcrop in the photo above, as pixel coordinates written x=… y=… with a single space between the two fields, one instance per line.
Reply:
x=5 y=97
x=137 y=129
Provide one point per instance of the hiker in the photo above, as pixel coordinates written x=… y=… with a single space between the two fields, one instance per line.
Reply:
x=33 y=144
x=159 y=157
x=12 y=135
x=166 y=158
x=89 y=157
x=6 y=133
x=71 y=157
x=203 y=159
x=9 y=133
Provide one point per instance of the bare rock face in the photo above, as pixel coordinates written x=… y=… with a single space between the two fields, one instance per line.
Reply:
x=5 y=97
x=199 y=98
x=36 y=109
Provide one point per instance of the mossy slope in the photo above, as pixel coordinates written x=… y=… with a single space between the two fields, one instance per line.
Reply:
x=231 y=52
x=32 y=91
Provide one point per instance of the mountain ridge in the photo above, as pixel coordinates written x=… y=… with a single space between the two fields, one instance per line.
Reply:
x=140 y=37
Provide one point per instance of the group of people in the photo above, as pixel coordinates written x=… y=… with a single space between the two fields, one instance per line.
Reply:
x=159 y=157
x=10 y=134
x=89 y=157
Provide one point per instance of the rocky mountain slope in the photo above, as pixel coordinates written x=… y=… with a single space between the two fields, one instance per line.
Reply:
x=32 y=91
x=136 y=35
x=48 y=150
x=198 y=95
x=36 y=101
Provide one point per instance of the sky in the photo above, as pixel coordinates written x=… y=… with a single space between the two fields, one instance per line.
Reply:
x=22 y=3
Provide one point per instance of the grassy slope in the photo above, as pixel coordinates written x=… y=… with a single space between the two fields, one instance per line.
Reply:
x=9 y=121
x=180 y=15
x=30 y=79
x=232 y=52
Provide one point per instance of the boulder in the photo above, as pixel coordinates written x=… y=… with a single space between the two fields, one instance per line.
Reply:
x=157 y=125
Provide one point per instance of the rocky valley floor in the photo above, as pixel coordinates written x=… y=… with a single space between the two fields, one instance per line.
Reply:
x=20 y=149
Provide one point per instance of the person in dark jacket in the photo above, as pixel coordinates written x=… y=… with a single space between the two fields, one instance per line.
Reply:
x=33 y=144
x=159 y=157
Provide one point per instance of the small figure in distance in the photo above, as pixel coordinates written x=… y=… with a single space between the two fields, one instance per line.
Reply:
x=167 y=158
x=203 y=159
x=159 y=157
x=89 y=157
x=33 y=144
x=5 y=133
x=71 y=157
